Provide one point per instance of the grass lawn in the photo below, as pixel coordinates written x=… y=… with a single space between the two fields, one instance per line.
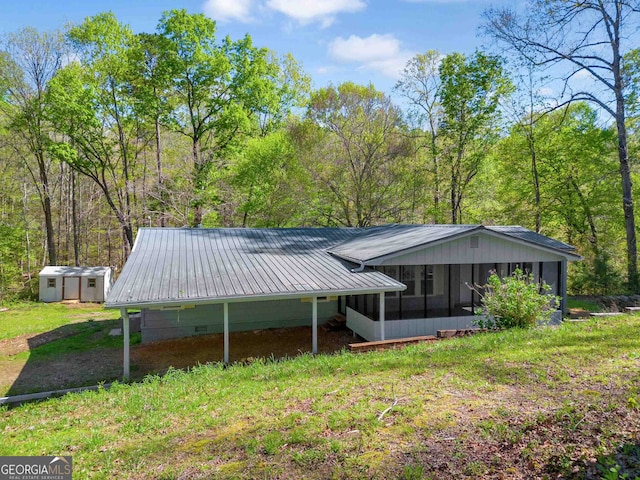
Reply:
x=40 y=345
x=546 y=403
x=34 y=318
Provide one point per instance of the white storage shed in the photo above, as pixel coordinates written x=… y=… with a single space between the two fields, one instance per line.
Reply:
x=87 y=284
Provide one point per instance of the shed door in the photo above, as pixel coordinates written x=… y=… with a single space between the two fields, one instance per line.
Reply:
x=71 y=288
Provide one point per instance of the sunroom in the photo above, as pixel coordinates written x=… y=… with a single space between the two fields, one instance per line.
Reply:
x=439 y=275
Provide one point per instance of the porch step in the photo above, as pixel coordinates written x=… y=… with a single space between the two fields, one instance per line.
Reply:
x=385 y=344
x=338 y=322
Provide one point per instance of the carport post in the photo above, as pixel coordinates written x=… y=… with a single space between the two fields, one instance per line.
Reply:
x=382 y=316
x=226 y=332
x=125 y=334
x=314 y=327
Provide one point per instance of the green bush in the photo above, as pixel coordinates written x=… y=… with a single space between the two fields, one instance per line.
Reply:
x=515 y=301
x=596 y=276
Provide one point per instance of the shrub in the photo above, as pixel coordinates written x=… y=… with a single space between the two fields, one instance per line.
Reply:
x=596 y=276
x=515 y=301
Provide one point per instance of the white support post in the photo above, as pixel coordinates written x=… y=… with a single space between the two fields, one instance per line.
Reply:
x=226 y=332
x=563 y=286
x=314 y=325
x=382 y=316
x=125 y=334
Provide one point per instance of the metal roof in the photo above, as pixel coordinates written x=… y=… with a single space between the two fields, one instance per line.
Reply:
x=532 y=237
x=174 y=266
x=170 y=266
x=377 y=242
x=60 y=270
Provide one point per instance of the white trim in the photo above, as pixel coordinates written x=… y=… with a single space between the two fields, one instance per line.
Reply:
x=185 y=303
x=381 y=317
x=314 y=325
x=125 y=334
x=226 y=332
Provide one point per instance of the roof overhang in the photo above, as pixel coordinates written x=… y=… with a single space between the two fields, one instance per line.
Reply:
x=189 y=302
x=379 y=260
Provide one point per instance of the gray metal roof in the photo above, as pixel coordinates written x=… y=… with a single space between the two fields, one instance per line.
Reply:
x=532 y=237
x=180 y=266
x=377 y=242
x=61 y=270
x=172 y=266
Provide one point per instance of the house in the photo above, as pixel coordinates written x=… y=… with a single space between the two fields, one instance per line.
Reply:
x=391 y=281
x=87 y=284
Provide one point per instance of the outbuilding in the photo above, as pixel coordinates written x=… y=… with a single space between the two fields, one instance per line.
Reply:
x=391 y=281
x=86 y=284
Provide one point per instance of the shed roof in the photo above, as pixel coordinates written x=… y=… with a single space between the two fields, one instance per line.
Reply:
x=173 y=266
x=393 y=239
x=61 y=270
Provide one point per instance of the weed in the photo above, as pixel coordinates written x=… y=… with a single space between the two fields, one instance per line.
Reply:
x=272 y=442
x=413 y=472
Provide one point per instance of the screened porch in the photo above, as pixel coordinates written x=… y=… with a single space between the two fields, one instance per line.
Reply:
x=437 y=295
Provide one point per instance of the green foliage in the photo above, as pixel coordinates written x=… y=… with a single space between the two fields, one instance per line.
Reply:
x=515 y=301
x=596 y=277
x=354 y=150
x=11 y=254
x=270 y=182
x=470 y=93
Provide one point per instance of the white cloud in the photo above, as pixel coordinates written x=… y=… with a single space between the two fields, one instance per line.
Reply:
x=382 y=53
x=322 y=11
x=443 y=1
x=227 y=10
x=582 y=74
x=545 y=92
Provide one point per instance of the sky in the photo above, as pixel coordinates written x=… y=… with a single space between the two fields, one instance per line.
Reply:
x=335 y=40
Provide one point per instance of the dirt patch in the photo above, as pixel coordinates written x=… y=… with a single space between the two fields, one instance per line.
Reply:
x=156 y=357
x=24 y=343
x=105 y=364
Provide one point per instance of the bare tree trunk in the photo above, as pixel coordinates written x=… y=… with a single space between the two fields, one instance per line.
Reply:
x=26 y=232
x=74 y=220
x=198 y=212
x=48 y=216
x=627 y=200
x=159 y=167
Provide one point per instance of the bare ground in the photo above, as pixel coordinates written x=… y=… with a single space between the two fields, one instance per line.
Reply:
x=105 y=364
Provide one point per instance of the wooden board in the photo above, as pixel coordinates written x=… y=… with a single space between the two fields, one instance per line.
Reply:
x=384 y=344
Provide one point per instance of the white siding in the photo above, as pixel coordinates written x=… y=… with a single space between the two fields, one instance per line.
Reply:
x=92 y=294
x=491 y=249
x=73 y=283
x=50 y=294
x=370 y=330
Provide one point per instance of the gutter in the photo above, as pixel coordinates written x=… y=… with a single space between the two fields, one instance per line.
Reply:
x=358 y=269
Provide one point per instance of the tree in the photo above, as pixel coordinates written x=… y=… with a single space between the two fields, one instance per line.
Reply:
x=269 y=181
x=470 y=92
x=354 y=147
x=577 y=176
x=220 y=91
x=150 y=81
x=92 y=106
x=30 y=59
x=587 y=37
x=420 y=86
